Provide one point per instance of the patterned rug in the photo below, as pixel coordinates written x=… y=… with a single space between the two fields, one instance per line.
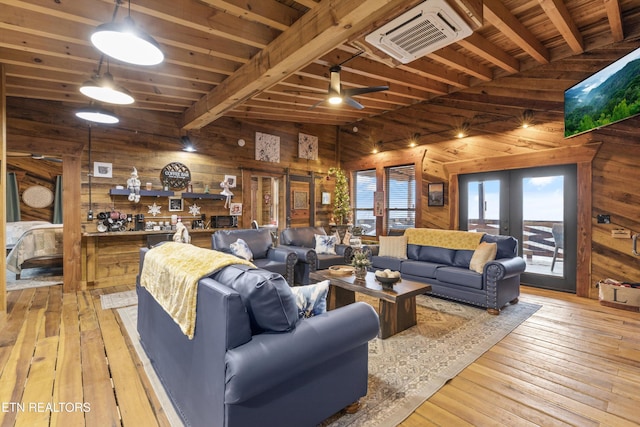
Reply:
x=118 y=299
x=34 y=278
x=407 y=368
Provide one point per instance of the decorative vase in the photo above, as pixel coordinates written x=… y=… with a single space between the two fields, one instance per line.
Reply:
x=360 y=272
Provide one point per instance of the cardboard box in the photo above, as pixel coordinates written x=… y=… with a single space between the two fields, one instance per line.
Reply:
x=619 y=296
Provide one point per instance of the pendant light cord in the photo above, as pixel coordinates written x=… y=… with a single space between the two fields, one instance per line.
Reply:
x=90 y=175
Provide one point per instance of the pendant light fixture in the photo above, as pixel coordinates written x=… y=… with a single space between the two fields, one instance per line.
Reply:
x=127 y=43
x=97 y=115
x=187 y=145
x=104 y=89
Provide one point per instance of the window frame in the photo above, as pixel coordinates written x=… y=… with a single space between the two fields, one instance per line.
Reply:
x=411 y=211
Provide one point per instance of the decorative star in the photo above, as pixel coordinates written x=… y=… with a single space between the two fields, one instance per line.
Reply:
x=154 y=209
x=194 y=210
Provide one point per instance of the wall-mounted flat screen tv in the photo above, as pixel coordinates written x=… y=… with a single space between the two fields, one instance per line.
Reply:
x=610 y=95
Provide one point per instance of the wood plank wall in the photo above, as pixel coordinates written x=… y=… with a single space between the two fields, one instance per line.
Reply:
x=494 y=112
x=149 y=141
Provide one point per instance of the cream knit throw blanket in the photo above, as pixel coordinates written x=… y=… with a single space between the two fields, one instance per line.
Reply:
x=171 y=273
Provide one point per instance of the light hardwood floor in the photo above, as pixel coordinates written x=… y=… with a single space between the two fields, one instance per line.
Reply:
x=574 y=362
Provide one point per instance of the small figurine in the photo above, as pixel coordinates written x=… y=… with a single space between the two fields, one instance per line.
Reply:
x=182 y=234
x=226 y=192
x=133 y=184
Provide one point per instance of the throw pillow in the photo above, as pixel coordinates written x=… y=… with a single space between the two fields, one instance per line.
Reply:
x=393 y=246
x=311 y=299
x=347 y=238
x=267 y=297
x=484 y=253
x=325 y=244
x=240 y=249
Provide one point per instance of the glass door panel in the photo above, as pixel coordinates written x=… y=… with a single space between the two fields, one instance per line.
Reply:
x=537 y=206
x=483 y=210
x=543 y=224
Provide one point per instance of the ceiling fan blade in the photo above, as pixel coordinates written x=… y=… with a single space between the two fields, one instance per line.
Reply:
x=16 y=154
x=316 y=104
x=352 y=102
x=361 y=90
x=52 y=159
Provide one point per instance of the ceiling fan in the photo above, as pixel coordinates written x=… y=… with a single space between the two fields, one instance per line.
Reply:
x=336 y=95
x=34 y=156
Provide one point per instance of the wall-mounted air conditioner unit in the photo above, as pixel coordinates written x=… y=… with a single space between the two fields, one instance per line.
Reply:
x=427 y=27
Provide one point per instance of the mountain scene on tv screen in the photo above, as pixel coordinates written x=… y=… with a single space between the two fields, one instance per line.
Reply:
x=589 y=107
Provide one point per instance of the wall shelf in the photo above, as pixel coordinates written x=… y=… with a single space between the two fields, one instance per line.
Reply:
x=203 y=196
x=151 y=193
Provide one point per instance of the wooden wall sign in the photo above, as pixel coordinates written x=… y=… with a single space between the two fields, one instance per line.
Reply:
x=175 y=175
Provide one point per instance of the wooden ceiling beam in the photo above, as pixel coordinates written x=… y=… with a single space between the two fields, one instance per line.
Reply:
x=497 y=14
x=429 y=70
x=488 y=51
x=615 y=19
x=197 y=16
x=559 y=15
x=267 y=12
x=458 y=61
x=317 y=32
x=308 y=3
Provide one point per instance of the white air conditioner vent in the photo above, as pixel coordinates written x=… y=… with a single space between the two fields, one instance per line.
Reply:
x=427 y=27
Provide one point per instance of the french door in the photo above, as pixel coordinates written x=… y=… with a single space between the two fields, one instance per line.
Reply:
x=537 y=206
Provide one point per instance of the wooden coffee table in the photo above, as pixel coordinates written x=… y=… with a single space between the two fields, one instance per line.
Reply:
x=397 y=307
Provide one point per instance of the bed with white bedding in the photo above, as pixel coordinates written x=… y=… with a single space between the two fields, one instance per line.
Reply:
x=33 y=244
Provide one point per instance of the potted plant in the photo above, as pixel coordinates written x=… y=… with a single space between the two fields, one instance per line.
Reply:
x=341 y=201
x=361 y=263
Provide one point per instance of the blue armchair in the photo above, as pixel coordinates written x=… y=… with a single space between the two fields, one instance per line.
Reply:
x=277 y=260
x=303 y=242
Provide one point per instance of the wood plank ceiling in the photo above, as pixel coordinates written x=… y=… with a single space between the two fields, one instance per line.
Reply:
x=270 y=59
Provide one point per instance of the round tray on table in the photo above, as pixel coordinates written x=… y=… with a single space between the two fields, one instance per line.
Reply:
x=341 y=270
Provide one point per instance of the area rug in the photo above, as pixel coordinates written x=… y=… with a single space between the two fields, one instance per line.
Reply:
x=118 y=299
x=407 y=368
x=34 y=278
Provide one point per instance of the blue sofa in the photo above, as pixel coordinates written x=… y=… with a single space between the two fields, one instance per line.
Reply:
x=442 y=257
x=237 y=372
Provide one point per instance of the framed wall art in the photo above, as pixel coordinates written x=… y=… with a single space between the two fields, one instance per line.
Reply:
x=102 y=170
x=235 y=209
x=267 y=147
x=436 y=194
x=231 y=180
x=326 y=198
x=307 y=146
x=175 y=204
x=300 y=200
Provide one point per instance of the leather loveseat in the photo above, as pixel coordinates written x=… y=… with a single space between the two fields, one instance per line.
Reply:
x=442 y=259
x=265 y=255
x=251 y=361
x=302 y=241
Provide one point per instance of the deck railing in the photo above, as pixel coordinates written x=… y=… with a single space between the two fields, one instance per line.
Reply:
x=537 y=238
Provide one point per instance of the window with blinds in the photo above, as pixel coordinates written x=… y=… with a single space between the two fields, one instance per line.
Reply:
x=365 y=187
x=401 y=197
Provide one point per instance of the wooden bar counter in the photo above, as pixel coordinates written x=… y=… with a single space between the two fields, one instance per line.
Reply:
x=112 y=258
